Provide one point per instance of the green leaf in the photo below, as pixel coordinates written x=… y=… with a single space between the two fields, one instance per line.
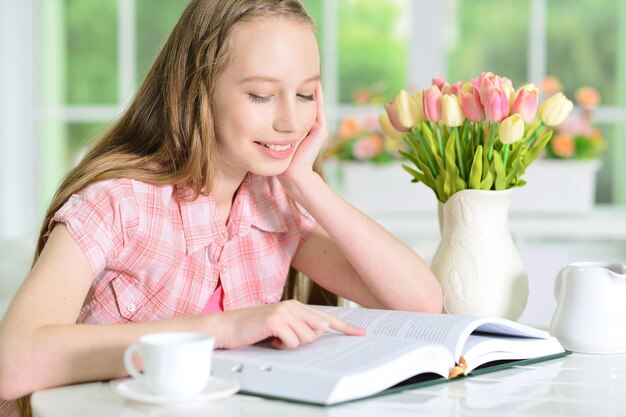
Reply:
x=409 y=156
x=517 y=167
x=432 y=145
x=477 y=169
x=487 y=182
x=439 y=183
x=501 y=183
x=486 y=164
x=535 y=151
x=420 y=177
x=415 y=141
x=453 y=181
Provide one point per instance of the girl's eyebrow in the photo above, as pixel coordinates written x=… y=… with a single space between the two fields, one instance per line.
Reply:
x=260 y=78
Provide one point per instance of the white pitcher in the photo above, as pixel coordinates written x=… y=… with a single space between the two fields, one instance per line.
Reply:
x=590 y=316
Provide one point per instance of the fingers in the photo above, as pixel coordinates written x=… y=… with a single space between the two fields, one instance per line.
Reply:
x=339 y=325
x=304 y=324
x=319 y=96
x=296 y=325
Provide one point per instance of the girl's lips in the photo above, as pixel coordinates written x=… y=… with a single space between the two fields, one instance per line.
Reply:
x=276 y=150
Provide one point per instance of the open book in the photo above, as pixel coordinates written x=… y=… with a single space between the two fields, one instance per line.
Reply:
x=397 y=347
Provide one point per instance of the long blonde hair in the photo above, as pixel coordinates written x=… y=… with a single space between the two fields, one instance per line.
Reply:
x=167 y=135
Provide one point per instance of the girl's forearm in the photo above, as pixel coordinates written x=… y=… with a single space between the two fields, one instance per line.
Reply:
x=393 y=271
x=61 y=354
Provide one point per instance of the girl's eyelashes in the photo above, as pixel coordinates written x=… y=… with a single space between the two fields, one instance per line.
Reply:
x=307 y=98
x=259 y=99
x=265 y=99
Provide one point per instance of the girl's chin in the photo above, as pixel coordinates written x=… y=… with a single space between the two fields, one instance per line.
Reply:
x=269 y=171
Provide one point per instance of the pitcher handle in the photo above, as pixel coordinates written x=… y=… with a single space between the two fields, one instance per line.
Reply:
x=557 y=283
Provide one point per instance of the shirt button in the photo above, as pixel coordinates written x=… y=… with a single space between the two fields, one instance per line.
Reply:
x=131 y=307
x=224 y=269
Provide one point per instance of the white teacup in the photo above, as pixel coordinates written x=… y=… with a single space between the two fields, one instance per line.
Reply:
x=173 y=363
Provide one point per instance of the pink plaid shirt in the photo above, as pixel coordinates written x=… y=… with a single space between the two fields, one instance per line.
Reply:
x=156 y=256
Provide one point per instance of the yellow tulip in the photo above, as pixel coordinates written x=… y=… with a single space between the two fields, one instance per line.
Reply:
x=555 y=109
x=403 y=109
x=387 y=127
x=417 y=107
x=511 y=129
x=451 y=113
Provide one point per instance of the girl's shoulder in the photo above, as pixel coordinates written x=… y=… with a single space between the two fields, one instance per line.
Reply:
x=128 y=191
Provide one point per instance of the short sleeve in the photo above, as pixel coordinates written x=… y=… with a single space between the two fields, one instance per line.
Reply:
x=101 y=219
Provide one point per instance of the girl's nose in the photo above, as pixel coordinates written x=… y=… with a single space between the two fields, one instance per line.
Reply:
x=285 y=119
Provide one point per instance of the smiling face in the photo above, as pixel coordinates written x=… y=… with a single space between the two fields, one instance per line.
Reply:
x=264 y=100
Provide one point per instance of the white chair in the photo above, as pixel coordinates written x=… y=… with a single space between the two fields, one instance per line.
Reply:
x=15 y=260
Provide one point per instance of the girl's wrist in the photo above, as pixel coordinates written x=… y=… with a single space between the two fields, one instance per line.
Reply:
x=212 y=325
x=297 y=186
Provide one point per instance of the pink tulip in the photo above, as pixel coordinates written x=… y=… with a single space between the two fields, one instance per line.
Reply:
x=507 y=86
x=392 y=112
x=496 y=106
x=439 y=82
x=453 y=89
x=432 y=103
x=526 y=103
x=475 y=82
x=485 y=84
x=488 y=81
x=471 y=105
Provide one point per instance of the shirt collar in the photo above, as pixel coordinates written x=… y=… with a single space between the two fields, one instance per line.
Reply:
x=255 y=205
x=267 y=201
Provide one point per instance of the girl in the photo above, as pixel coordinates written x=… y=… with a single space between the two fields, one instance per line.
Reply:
x=198 y=201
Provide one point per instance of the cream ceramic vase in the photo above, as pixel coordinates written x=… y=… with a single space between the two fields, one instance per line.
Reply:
x=477 y=263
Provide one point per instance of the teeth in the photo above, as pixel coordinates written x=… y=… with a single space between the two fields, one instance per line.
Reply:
x=278 y=147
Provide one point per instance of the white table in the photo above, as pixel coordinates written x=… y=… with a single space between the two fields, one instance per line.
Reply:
x=576 y=385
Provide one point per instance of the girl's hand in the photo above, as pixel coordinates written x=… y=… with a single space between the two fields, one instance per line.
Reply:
x=302 y=163
x=290 y=324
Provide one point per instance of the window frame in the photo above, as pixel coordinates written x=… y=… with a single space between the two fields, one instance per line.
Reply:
x=427 y=58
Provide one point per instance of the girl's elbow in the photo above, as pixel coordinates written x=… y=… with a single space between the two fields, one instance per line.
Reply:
x=12 y=377
x=9 y=383
x=434 y=303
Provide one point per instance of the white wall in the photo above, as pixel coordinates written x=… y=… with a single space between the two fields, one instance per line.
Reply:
x=18 y=120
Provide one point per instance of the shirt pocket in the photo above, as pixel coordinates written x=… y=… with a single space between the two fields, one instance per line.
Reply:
x=133 y=299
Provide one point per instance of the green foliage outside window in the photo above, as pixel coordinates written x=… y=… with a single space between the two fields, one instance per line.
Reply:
x=489 y=35
x=91 y=52
x=373 y=46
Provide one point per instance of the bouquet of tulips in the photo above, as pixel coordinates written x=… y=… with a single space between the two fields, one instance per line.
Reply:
x=480 y=135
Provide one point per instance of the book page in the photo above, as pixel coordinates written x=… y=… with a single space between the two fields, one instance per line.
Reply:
x=449 y=330
x=332 y=353
x=480 y=348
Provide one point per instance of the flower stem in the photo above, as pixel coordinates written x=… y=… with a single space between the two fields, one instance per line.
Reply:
x=530 y=142
x=429 y=158
x=459 y=152
x=506 y=154
x=492 y=136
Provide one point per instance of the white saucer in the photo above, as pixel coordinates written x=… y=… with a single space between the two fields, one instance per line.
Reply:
x=137 y=391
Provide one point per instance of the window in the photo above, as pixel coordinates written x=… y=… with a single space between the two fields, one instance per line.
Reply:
x=94 y=53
